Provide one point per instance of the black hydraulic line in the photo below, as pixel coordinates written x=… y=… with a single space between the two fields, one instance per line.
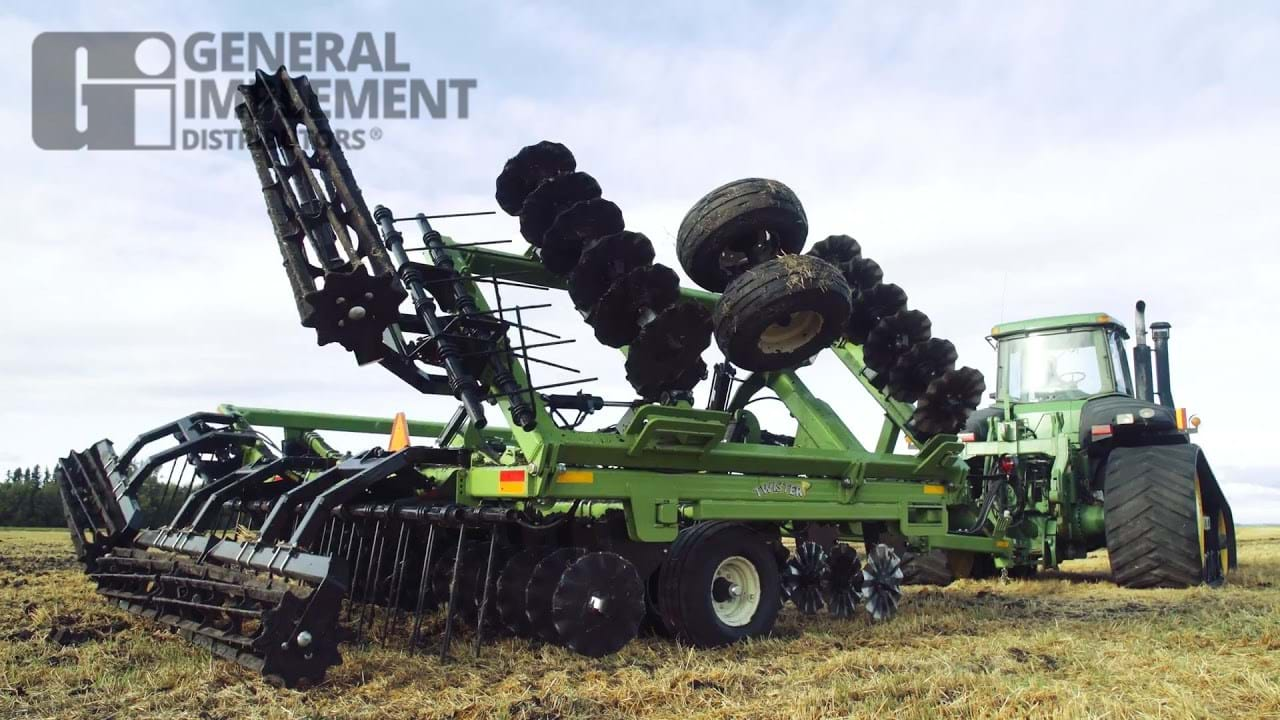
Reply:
x=522 y=413
x=994 y=486
x=465 y=388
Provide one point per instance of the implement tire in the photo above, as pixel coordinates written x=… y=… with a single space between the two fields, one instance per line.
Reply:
x=1155 y=518
x=719 y=584
x=737 y=226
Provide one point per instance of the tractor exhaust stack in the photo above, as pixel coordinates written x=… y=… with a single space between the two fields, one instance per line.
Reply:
x=1142 y=379
x=1160 y=333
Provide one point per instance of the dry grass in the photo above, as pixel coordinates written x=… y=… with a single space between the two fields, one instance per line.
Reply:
x=1070 y=645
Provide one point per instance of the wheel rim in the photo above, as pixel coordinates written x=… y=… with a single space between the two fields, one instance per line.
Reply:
x=1224 y=543
x=735 y=591
x=1217 y=527
x=790 y=333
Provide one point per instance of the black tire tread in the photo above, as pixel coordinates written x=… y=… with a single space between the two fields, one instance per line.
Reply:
x=1151 y=524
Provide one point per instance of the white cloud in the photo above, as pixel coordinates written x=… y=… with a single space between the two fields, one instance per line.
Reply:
x=1046 y=159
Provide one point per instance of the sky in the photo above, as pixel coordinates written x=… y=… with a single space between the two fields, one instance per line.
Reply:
x=1000 y=161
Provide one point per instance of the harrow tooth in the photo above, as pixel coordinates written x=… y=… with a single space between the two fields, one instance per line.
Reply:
x=842 y=581
x=552 y=197
x=603 y=261
x=891 y=338
x=527 y=169
x=540 y=592
x=918 y=367
x=573 y=228
x=870 y=305
x=802 y=577
x=598 y=604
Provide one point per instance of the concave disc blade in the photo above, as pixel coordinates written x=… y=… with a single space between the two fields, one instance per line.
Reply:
x=882 y=583
x=891 y=338
x=839 y=250
x=599 y=603
x=948 y=402
x=573 y=228
x=842 y=582
x=625 y=305
x=513 y=583
x=802 y=577
x=552 y=197
x=466 y=594
x=666 y=354
x=603 y=261
x=872 y=304
x=919 y=366
x=527 y=169
x=541 y=589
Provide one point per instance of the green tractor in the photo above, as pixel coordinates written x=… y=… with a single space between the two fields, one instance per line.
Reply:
x=1077 y=454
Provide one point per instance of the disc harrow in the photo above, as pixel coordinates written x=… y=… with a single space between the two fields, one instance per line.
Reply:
x=275 y=554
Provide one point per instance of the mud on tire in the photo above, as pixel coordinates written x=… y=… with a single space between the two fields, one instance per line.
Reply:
x=782 y=312
x=737 y=226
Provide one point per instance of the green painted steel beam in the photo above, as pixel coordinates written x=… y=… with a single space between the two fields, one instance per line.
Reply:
x=303 y=420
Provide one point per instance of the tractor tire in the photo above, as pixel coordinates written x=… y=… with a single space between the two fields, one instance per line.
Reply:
x=737 y=226
x=1153 y=517
x=781 y=313
x=720 y=584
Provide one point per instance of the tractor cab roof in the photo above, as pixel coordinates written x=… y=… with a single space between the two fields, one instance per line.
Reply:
x=1058 y=322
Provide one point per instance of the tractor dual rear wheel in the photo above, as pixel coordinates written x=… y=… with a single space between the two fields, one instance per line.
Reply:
x=1159 y=531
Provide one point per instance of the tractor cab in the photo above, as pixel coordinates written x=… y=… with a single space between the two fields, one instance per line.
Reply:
x=1062 y=358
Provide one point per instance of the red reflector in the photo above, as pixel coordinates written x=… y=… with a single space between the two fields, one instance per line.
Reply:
x=1007 y=464
x=1097 y=430
x=967 y=437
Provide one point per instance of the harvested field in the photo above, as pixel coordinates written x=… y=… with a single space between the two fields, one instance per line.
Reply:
x=1068 y=644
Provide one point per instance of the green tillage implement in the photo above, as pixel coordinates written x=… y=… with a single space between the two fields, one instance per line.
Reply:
x=670 y=521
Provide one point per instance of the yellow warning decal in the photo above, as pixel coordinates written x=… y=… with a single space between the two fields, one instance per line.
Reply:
x=935 y=490
x=1002 y=543
x=513 y=482
x=576 y=477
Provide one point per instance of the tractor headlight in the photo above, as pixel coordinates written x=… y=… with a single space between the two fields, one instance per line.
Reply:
x=1124 y=419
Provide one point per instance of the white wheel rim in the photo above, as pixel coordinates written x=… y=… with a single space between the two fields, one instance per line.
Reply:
x=740 y=588
x=798 y=329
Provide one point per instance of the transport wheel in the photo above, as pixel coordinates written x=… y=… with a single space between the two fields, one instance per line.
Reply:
x=720 y=584
x=781 y=313
x=541 y=590
x=802 y=577
x=882 y=583
x=1158 y=531
x=513 y=582
x=529 y=167
x=842 y=582
x=598 y=605
x=737 y=226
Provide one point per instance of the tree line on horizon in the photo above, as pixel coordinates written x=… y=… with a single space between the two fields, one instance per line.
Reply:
x=29 y=497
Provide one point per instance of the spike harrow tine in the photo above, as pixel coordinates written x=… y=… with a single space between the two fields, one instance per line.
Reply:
x=392 y=618
x=422 y=588
x=484 y=594
x=452 y=607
